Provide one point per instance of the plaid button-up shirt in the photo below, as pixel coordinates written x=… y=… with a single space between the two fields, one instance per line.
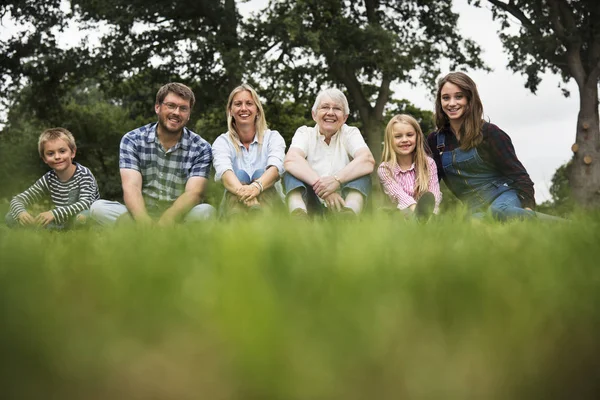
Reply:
x=164 y=172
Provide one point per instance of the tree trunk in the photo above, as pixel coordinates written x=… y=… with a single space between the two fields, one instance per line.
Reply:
x=230 y=49
x=373 y=132
x=585 y=173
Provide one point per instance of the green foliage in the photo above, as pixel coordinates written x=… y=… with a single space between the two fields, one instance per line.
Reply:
x=21 y=163
x=551 y=37
x=562 y=202
x=277 y=309
x=142 y=43
x=96 y=123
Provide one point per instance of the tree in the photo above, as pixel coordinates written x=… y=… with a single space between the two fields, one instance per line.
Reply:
x=562 y=200
x=96 y=122
x=563 y=37
x=366 y=46
x=34 y=58
x=193 y=41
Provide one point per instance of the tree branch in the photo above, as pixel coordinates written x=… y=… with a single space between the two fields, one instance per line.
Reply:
x=564 y=26
x=384 y=94
x=516 y=12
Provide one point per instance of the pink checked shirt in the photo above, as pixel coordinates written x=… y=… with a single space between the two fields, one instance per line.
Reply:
x=400 y=187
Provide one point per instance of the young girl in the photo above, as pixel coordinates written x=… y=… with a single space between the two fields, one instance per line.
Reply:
x=476 y=159
x=408 y=176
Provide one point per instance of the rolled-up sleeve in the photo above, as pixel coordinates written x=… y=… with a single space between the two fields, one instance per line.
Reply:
x=300 y=139
x=222 y=156
x=202 y=161
x=354 y=141
x=276 y=151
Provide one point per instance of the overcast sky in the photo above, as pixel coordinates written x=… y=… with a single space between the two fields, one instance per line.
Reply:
x=542 y=126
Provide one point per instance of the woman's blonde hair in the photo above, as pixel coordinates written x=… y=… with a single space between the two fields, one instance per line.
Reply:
x=470 y=130
x=260 y=123
x=390 y=158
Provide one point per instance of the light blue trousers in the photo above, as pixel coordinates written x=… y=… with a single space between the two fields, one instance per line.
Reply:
x=106 y=212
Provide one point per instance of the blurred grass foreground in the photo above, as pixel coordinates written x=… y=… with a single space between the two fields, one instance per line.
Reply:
x=286 y=309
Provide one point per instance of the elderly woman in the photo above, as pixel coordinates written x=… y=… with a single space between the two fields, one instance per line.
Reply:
x=328 y=166
x=248 y=158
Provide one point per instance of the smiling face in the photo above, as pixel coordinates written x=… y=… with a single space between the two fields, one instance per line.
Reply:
x=173 y=113
x=404 y=139
x=329 y=116
x=243 y=108
x=58 y=155
x=454 y=102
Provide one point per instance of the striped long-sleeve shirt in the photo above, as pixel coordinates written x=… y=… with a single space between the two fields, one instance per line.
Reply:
x=69 y=198
x=400 y=185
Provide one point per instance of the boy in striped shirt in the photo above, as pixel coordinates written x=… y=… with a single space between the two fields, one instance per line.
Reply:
x=70 y=186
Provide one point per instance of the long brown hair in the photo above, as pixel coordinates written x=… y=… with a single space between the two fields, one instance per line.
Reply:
x=389 y=157
x=470 y=130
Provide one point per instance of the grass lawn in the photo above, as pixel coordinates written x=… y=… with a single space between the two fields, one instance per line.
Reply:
x=275 y=308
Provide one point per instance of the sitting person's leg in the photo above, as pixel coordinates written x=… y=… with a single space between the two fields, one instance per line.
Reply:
x=106 y=212
x=268 y=197
x=508 y=206
x=244 y=178
x=230 y=204
x=10 y=221
x=201 y=212
x=356 y=192
x=300 y=196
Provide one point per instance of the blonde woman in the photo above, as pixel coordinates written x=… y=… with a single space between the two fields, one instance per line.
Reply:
x=248 y=158
x=407 y=174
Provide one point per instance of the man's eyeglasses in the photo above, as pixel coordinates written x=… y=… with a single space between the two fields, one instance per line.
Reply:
x=173 y=107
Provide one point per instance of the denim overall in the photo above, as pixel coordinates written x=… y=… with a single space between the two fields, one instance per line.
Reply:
x=478 y=184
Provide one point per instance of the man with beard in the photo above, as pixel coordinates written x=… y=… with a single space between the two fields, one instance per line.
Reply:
x=164 y=167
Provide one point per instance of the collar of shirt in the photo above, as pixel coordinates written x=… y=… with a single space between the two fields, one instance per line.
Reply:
x=323 y=137
x=241 y=145
x=397 y=170
x=184 y=140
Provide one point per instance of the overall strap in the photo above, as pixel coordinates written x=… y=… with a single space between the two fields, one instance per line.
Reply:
x=441 y=142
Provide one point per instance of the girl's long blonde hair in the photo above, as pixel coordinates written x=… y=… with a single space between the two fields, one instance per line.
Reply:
x=389 y=157
x=470 y=130
x=260 y=123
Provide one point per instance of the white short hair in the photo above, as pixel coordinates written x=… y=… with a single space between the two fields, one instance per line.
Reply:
x=334 y=94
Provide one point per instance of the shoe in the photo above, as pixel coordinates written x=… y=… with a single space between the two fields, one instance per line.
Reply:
x=299 y=214
x=347 y=212
x=425 y=206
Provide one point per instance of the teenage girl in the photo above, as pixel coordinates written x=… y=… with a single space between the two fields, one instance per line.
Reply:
x=407 y=174
x=477 y=159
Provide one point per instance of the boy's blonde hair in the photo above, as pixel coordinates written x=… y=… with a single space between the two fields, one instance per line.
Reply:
x=260 y=123
x=389 y=157
x=53 y=134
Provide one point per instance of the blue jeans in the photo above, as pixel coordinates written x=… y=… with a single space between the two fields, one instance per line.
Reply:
x=312 y=201
x=508 y=206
